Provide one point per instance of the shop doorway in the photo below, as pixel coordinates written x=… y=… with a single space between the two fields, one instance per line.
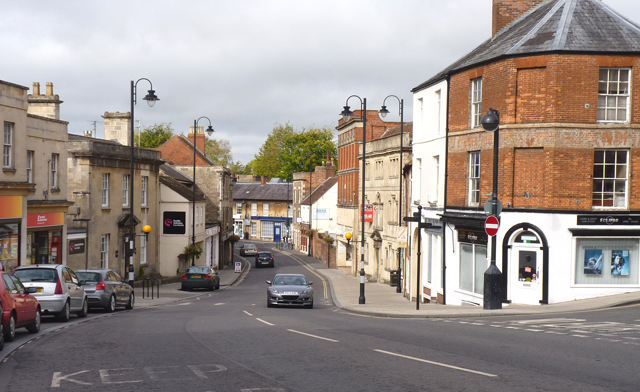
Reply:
x=526 y=272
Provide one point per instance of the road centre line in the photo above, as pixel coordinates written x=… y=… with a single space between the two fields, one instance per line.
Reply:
x=438 y=364
x=313 y=336
x=247 y=313
x=262 y=321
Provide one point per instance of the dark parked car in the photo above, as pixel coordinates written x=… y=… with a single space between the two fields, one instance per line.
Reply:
x=248 y=249
x=106 y=289
x=264 y=259
x=290 y=290
x=202 y=277
x=19 y=308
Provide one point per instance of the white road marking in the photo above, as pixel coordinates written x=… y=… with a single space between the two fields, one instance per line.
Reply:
x=558 y=320
x=219 y=303
x=533 y=330
x=438 y=364
x=313 y=336
x=247 y=313
x=556 y=333
x=580 y=336
x=262 y=321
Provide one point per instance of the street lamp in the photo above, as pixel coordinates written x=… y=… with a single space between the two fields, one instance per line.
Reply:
x=383 y=112
x=193 y=211
x=493 y=276
x=346 y=116
x=151 y=99
x=310 y=208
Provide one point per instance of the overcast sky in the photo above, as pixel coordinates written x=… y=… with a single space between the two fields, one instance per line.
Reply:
x=246 y=65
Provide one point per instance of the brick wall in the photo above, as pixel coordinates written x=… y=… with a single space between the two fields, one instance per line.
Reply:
x=507 y=11
x=548 y=133
x=176 y=152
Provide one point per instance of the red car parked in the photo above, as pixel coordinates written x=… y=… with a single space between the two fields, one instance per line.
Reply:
x=19 y=308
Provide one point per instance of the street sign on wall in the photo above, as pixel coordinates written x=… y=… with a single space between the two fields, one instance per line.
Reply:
x=368 y=213
x=491 y=225
x=174 y=222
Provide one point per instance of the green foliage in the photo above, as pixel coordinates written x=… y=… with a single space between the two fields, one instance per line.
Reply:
x=309 y=233
x=238 y=168
x=234 y=238
x=287 y=151
x=219 y=151
x=155 y=135
x=140 y=272
x=328 y=240
x=192 y=250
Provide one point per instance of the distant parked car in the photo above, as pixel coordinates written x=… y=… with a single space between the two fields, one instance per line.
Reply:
x=19 y=308
x=248 y=249
x=264 y=259
x=57 y=288
x=201 y=277
x=289 y=290
x=106 y=289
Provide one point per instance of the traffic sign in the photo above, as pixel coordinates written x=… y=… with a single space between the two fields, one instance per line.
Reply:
x=488 y=207
x=491 y=225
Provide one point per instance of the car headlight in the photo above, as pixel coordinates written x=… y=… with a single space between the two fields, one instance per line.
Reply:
x=308 y=291
x=272 y=290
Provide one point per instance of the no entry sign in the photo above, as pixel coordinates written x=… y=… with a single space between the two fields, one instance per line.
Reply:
x=491 y=225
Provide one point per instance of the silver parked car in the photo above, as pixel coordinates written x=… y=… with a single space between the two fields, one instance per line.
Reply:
x=106 y=289
x=57 y=288
x=290 y=290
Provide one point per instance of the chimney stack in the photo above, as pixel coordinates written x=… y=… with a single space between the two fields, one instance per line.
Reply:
x=44 y=105
x=199 y=137
x=117 y=126
x=506 y=12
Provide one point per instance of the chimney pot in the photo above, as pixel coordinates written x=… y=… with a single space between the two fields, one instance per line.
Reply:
x=36 y=88
x=49 y=88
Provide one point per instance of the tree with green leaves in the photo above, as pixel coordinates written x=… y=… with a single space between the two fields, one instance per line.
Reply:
x=305 y=150
x=267 y=161
x=155 y=135
x=238 y=168
x=219 y=151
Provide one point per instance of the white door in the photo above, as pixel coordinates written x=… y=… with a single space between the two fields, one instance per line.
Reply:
x=526 y=275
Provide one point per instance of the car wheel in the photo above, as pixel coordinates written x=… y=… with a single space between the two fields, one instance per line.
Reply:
x=34 y=327
x=310 y=306
x=112 y=304
x=269 y=304
x=132 y=299
x=1 y=337
x=213 y=286
x=257 y=265
x=218 y=285
x=10 y=331
x=85 y=309
x=65 y=313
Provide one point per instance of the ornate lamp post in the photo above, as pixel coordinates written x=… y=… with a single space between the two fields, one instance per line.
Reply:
x=346 y=116
x=193 y=211
x=383 y=112
x=151 y=99
x=493 y=276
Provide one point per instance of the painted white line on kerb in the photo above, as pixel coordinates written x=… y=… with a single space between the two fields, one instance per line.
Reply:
x=262 y=321
x=439 y=364
x=247 y=313
x=313 y=336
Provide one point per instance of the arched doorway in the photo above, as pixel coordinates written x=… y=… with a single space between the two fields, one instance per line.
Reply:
x=525 y=265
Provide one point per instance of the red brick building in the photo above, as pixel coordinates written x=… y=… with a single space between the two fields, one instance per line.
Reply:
x=563 y=75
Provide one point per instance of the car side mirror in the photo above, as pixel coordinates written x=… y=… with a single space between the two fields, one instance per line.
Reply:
x=32 y=290
x=268 y=282
x=83 y=282
x=310 y=283
x=217 y=273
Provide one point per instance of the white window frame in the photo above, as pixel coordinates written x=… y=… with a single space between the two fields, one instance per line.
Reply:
x=610 y=178
x=254 y=229
x=614 y=95
x=254 y=209
x=238 y=208
x=104 y=251
x=7 y=154
x=105 y=189
x=143 y=249
x=30 y=156
x=436 y=179
x=265 y=209
x=438 y=109
x=125 y=190
x=476 y=102
x=479 y=267
x=266 y=229
x=145 y=190
x=54 y=170
x=474 y=178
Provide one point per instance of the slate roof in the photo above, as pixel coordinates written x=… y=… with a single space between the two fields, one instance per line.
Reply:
x=268 y=191
x=181 y=189
x=557 y=26
x=170 y=171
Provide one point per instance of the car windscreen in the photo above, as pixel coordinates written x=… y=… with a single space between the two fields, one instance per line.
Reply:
x=285 y=280
x=249 y=246
x=37 y=275
x=89 y=276
x=264 y=254
x=198 y=270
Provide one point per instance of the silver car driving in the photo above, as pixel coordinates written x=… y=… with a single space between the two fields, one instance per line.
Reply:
x=289 y=290
x=57 y=288
x=106 y=289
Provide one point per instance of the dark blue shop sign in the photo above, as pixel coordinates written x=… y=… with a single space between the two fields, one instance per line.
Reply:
x=472 y=237
x=174 y=222
x=609 y=220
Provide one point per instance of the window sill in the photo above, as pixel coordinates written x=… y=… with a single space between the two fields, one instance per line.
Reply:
x=106 y=208
x=55 y=190
x=8 y=170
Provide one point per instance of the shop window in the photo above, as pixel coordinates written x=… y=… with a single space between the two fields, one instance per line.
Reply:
x=9 y=235
x=266 y=230
x=607 y=262
x=473 y=264
x=254 y=228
